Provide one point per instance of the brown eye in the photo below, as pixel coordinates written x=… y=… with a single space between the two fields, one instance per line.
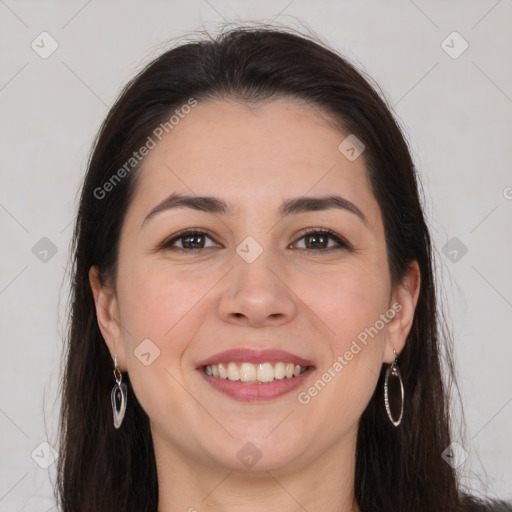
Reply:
x=189 y=241
x=321 y=240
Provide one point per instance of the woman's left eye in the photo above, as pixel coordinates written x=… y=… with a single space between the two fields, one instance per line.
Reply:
x=317 y=240
x=322 y=240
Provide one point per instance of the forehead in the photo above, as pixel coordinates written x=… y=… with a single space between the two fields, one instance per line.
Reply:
x=251 y=155
x=273 y=132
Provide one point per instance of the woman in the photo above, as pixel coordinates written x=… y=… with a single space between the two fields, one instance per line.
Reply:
x=252 y=263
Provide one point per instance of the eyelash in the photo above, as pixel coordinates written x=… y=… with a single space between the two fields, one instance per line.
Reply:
x=342 y=243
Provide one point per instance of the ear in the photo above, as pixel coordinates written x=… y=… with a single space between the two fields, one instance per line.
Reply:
x=107 y=313
x=403 y=302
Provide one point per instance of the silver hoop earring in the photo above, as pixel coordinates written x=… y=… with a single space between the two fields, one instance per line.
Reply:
x=118 y=396
x=394 y=371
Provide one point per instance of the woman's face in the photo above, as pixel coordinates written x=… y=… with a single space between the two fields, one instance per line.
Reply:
x=259 y=277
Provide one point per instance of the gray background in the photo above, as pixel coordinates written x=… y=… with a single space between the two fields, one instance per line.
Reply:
x=456 y=113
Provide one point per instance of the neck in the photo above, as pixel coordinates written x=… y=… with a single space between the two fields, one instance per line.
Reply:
x=325 y=483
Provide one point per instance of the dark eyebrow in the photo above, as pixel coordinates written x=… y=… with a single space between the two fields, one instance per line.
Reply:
x=312 y=204
x=217 y=206
x=200 y=203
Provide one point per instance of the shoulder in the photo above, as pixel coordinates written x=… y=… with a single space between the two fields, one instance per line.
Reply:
x=473 y=504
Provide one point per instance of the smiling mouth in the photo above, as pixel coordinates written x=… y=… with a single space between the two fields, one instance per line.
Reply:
x=260 y=373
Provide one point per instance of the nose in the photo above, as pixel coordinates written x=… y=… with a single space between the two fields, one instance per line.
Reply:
x=257 y=295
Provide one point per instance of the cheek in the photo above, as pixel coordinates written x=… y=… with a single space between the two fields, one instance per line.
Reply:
x=347 y=301
x=161 y=314
x=159 y=299
x=349 y=305
x=167 y=308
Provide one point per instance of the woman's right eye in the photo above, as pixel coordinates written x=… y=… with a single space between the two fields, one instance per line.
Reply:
x=189 y=241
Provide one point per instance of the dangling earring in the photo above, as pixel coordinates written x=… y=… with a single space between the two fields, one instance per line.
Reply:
x=119 y=395
x=394 y=371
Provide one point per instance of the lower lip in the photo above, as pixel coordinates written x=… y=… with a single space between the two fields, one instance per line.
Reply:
x=251 y=392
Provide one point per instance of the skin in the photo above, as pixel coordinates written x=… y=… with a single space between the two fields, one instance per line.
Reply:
x=192 y=305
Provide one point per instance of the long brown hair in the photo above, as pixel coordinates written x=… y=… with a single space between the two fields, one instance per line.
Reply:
x=101 y=469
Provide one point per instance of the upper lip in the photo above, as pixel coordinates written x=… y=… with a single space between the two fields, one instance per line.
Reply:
x=249 y=355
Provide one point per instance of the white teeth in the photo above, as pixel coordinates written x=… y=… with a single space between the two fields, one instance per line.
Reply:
x=265 y=372
x=233 y=371
x=223 y=371
x=279 y=371
x=248 y=372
